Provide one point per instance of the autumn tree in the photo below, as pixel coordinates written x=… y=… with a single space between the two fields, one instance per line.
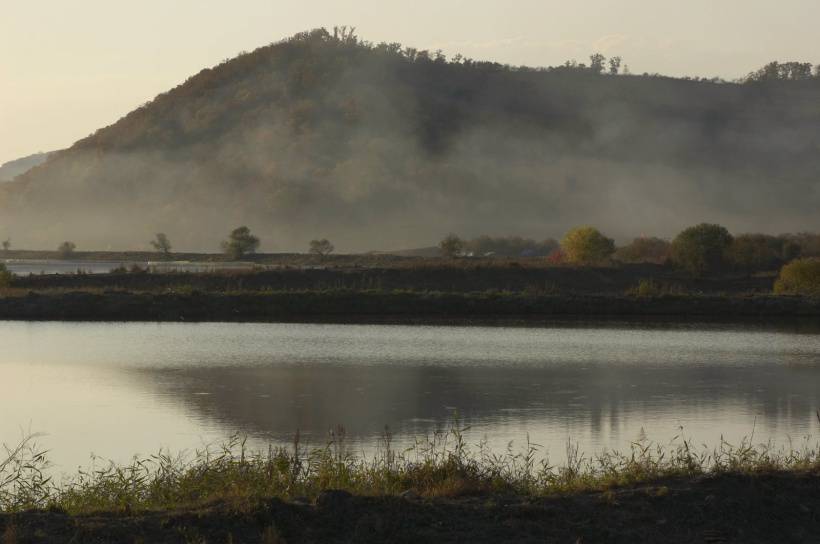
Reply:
x=800 y=277
x=586 y=245
x=240 y=242
x=701 y=249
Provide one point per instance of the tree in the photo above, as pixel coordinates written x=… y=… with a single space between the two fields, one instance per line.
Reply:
x=596 y=63
x=586 y=245
x=451 y=246
x=322 y=247
x=614 y=66
x=701 y=249
x=800 y=277
x=240 y=242
x=161 y=243
x=6 y=244
x=66 y=249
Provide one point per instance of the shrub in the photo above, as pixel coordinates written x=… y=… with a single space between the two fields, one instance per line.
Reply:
x=754 y=252
x=586 y=245
x=5 y=276
x=451 y=246
x=510 y=246
x=701 y=249
x=800 y=277
x=644 y=250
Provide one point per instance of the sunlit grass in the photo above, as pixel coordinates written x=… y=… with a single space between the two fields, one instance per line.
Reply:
x=438 y=465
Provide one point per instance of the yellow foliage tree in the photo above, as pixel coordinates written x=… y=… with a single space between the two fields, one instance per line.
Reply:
x=586 y=245
x=800 y=277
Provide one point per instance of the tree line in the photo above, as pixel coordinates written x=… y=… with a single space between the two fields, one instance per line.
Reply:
x=699 y=250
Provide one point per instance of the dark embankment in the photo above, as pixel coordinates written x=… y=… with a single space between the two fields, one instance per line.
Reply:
x=775 y=507
x=377 y=306
x=418 y=275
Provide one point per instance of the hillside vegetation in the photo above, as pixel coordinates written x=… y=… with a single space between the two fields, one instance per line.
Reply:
x=379 y=147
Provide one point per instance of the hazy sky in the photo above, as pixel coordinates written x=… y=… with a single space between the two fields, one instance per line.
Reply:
x=70 y=67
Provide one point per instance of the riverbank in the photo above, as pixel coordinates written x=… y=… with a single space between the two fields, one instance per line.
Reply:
x=440 y=490
x=349 y=306
x=779 y=507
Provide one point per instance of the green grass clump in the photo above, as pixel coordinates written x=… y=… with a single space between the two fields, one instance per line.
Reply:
x=439 y=465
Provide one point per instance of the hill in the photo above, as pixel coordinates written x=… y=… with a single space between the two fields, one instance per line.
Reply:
x=12 y=169
x=379 y=146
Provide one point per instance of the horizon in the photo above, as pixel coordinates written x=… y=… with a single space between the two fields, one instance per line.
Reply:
x=104 y=70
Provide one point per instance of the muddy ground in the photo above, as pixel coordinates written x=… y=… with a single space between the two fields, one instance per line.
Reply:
x=776 y=508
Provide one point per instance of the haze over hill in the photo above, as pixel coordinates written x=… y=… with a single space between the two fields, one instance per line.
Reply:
x=11 y=169
x=380 y=147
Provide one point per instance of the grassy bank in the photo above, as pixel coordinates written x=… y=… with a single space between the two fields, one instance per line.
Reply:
x=442 y=488
x=344 y=306
x=532 y=276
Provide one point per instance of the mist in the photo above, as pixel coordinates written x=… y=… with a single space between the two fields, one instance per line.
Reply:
x=379 y=148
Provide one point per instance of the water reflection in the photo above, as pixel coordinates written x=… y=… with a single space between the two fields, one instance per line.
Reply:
x=119 y=389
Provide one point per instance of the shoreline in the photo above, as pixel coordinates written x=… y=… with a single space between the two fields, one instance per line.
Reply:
x=771 y=507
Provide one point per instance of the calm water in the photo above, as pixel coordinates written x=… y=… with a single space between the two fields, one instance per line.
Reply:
x=116 y=390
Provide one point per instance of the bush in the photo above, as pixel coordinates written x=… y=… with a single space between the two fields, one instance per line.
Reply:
x=756 y=252
x=510 y=246
x=586 y=245
x=701 y=249
x=5 y=276
x=800 y=277
x=644 y=250
x=451 y=246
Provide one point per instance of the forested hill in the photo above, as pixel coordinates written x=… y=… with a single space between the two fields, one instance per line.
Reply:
x=379 y=146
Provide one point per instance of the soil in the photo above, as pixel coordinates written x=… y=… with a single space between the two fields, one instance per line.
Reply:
x=776 y=508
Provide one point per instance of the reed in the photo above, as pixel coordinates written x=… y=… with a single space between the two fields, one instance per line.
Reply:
x=441 y=464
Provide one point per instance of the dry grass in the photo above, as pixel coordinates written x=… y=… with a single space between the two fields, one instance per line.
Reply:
x=439 y=465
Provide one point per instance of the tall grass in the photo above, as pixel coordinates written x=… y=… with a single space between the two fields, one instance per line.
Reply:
x=441 y=464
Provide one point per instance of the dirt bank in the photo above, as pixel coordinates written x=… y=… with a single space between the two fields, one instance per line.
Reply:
x=375 y=306
x=776 y=508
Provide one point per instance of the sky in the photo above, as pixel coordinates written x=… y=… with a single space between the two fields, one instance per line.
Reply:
x=68 y=68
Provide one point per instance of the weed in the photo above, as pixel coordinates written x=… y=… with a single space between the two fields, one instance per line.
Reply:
x=441 y=464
